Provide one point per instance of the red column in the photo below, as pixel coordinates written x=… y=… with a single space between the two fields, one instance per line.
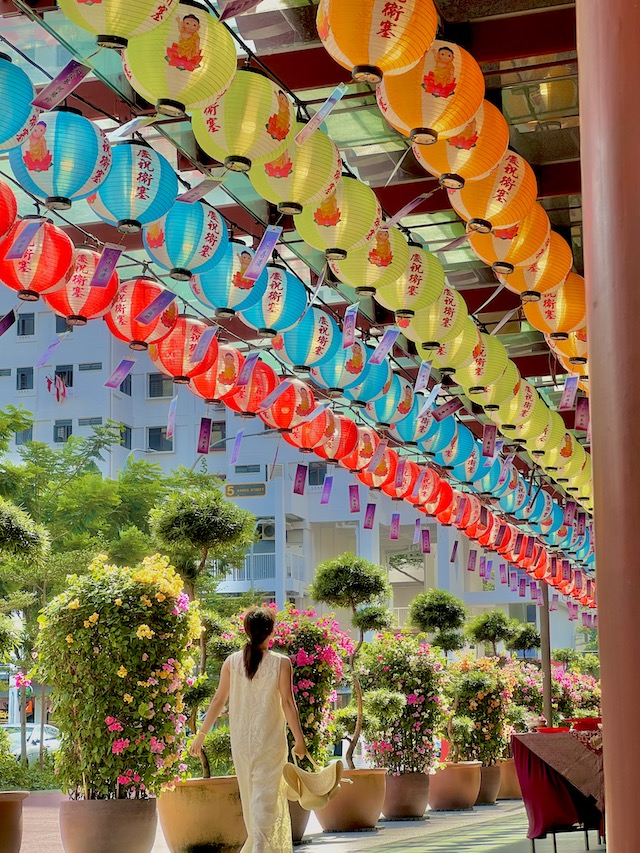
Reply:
x=609 y=63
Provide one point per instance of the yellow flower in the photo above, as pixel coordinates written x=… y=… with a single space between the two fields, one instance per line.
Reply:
x=93 y=618
x=119 y=602
x=146 y=600
x=69 y=638
x=160 y=596
x=145 y=631
x=73 y=605
x=122 y=672
x=128 y=698
x=87 y=624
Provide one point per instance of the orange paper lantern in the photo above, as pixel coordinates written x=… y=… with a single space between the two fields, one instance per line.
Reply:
x=220 y=378
x=560 y=312
x=173 y=355
x=291 y=407
x=546 y=273
x=504 y=249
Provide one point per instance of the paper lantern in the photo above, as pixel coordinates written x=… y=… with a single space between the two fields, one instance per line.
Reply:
x=313 y=341
x=553 y=459
x=504 y=249
x=489 y=362
x=441 y=322
x=545 y=274
x=439 y=439
x=246 y=399
x=65 y=157
x=188 y=240
x=447 y=515
x=114 y=22
x=395 y=405
x=343 y=221
x=575 y=348
x=572 y=465
x=291 y=407
x=220 y=378
x=516 y=411
x=415 y=427
x=437 y=98
x=488 y=484
x=8 y=207
x=459 y=351
x=341 y=443
x=18 y=117
x=133 y=297
x=44 y=263
x=186 y=62
x=346 y=369
x=140 y=188
x=250 y=124
x=582 y=477
x=281 y=305
x=372 y=39
x=309 y=436
x=550 y=438
x=500 y=200
x=225 y=288
x=301 y=175
x=468 y=470
x=471 y=512
x=458 y=449
x=420 y=284
x=173 y=355
x=375 y=381
x=560 y=312
x=77 y=301
x=427 y=490
x=535 y=425
x=469 y=155
x=377 y=264
x=362 y=454
x=498 y=392
x=442 y=500
x=410 y=473
x=384 y=471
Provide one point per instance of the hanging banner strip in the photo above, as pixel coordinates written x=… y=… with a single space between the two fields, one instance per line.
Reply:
x=319 y=409
x=402 y=464
x=349 y=326
x=582 y=523
x=482 y=567
x=506 y=465
x=447 y=409
x=271 y=398
x=454 y=551
x=369 y=515
x=513 y=581
x=247 y=369
x=388 y=340
x=429 y=401
x=533 y=590
x=354 y=499
x=235 y=452
x=530 y=546
x=553 y=605
x=489 y=571
x=263 y=253
x=569 y=513
x=422 y=379
x=315 y=291
x=61 y=86
x=426 y=542
x=377 y=456
x=488 y=462
x=489 y=435
x=198 y=192
x=540 y=601
x=484 y=515
x=454 y=244
x=20 y=246
x=394 y=532
x=519 y=541
x=232 y=8
x=326 y=489
x=203 y=345
x=416 y=488
x=149 y=314
x=130 y=127
x=416 y=531
x=566 y=570
x=406 y=210
x=503 y=573
x=569 y=393
x=109 y=258
x=317 y=119
x=300 y=480
x=471 y=562
x=7 y=321
x=204 y=436
x=49 y=350
x=462 y=505
x=171 y=417
x=582 y=414
x=522 y=587
x=120 y=373
x=504 y=321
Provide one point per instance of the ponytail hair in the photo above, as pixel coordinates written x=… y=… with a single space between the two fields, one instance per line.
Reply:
x=259 y=623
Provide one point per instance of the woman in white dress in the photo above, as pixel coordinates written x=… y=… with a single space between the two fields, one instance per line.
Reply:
x=258 y=685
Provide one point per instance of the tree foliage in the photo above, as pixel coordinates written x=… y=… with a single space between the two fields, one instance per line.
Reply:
x=492 y=627
x=525 y=637
x=442 y=614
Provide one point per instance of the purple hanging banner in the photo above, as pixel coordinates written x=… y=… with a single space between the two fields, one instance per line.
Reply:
x=400 y=469
x=377 y=456
x=578 y=581
x=326 y=489
x=369 y=515
x=488 y=462
x=388 y=340
x=300 y=480
x=203 y=345
x=482 y=567
x=109 y=258
x=237 y=7
x=447 y=409
x=422 y=379
x=354 y=499
x=408 y=207
x=271 y=398
x=566 y=570
x=120 y=373
x=263 y=253
x=501 y=531
x=569 y=513
x=130 y=127
x=582 y=523
x=484 y=515
x=594 y=622
x=349 y=326
x=247 y=369
x=171 y=417
x=394 y=532
x=204 y=436
x=235 y=451
x=503 y=573
x=489 y=435
x=61 y=86
x=416 y=532
x=569 y=393
x=554 y=601
x=429 y=400
x=506 y=465
x=416 y=488
x=533 y=589
x=49 y=350
x=522 y=587
x=585 y=621
x=582 y=414
x=589 y=620
x=199 y=191
x=27 y=233
x=489 y=572
x=7 y=321
x=471 y=562
x=317 y=118
x=513 y=581
x=531 y=541
x=540 y=599
x=462 y=505
x=519 y=541
x=454 y=551
x=426 y=542
x=149 y=314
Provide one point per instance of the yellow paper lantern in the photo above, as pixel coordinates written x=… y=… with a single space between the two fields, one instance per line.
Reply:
x=471 y=154
x=375 y=37
x=520 y=245
x=301 y=175
x=436 y=98
x=516 y=411
x=546 y=273
x=582 y=477
x=421 y=283
x=575 y=348
x=561 y=311
x=457 y=352
x=343 y=221
x=114 y=22
x=186 y=62
x=489 y=362
x=550 y=438
x=552 y=460
x=376 y=264
x=573 y=465
x=498 y=392
x=535 y=425
x=439 y=323
x=251 y=123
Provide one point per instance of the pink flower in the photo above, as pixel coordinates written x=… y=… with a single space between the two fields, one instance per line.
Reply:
x=123 y=780
x=412 y=699
x=156 y=745
x=118 y=746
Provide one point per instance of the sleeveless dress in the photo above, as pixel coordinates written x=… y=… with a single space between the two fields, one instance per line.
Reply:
x=259 y=749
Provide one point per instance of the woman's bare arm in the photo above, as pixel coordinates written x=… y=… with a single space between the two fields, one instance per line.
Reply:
x=285 y=685
x=214 y=710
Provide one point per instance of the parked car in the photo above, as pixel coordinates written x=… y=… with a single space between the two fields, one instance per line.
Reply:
x=51 y=739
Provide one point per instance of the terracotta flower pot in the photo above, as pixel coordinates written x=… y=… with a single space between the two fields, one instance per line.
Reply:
x=357 y=806
x=11 y=820
x=509 y=784
x=489 y=785
x=455 y=787
x=102 y=826
x=299 y=820
x=202 y=815
x=406 y=796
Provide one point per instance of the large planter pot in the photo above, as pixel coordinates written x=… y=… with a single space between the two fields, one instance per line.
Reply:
x=203 y=815
x=509 y=784
x=103 y=826
x=455 y=787
x=299 y=820
x=357 y=806
x=489 y=785
x=406 y=796
x=11 y=820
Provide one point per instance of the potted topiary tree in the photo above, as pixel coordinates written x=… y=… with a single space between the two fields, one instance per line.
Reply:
x=441 y=614
x=115 y=647
x=525 y=638
x=492 y=627
x=361 y=587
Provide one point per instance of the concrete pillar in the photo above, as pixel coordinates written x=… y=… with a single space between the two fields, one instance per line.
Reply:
x=280 y=519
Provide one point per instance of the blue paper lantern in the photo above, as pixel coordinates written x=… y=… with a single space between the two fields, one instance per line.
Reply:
x=17 y=117
x=375 y=381
x=470 y=468
x=345 y=370
x=225 y=288
x=414 y=428
x=281 y=305
x=314 y=341
x=441 y=438
x=393 y=406
x=515 y=498
x=190 y=239
x=140 y=188
x=487 y=484
x=458 y=450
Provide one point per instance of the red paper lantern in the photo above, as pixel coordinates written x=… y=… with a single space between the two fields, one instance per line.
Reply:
x=44 y=263
x=132 y=298
x=487 y=533
x=291 y=407
x=383 y=473
x=246 y=399
x=8 y=208
x=441 y=501
x=448 y=515
x=173 y=355
x=362 y=454
x=542 y=567
x=311 y=435
x=471 y=514
x=220 y=379
x=77 y=300
x=342 y=442
x=399 y=491
x=428 y=490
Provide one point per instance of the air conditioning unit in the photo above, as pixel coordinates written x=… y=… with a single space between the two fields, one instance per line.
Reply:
x=266 y=530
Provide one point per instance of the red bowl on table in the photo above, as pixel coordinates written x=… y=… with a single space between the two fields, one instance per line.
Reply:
x=587 y=724
x=545 y=730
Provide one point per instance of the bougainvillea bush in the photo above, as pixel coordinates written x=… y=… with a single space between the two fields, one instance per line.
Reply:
x=402 y=663
x=572 y=694
x=115 y=647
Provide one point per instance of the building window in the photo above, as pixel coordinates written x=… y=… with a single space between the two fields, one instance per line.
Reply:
x=218 y=435
x=125 y=386
x=24 y=436
x=26 y=325
x=5 y=371
x=157 y=439
x=24 y=379
x=125 y=436
x=317 y=473
x=62 y=325
x=160 y=385
x=90 y=422
x=90 y=365
x=61 y=431
x=65 y=372
x=248 y=469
